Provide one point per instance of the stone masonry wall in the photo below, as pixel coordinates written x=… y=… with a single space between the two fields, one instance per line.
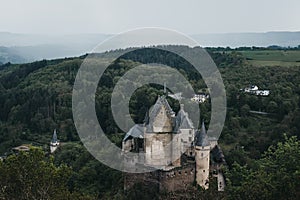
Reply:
x=176 y=179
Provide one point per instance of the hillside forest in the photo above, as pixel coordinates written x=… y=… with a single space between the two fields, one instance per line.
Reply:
x=261 y=150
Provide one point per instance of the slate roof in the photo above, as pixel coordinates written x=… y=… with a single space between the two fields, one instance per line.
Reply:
x=137 y=131
x=218 y=155
x=201 y=137
x=183 y=121
x=54 y=137
x=160 y=102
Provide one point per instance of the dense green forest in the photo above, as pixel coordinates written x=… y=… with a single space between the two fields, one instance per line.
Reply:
x=262 y=151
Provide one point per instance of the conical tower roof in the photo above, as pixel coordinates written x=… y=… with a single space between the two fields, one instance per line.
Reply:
x=201 y=137
x=182 y=120
x=54 y=137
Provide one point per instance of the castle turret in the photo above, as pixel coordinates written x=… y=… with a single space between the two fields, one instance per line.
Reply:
x=54 y=142
x=202 y=154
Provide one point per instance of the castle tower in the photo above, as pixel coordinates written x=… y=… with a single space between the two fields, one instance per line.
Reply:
x=186 y=129
x=159 y=134
x=202 y=154
x=54 y=142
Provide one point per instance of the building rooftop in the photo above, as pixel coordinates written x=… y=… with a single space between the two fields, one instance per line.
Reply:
x=201 y=137
x=182 y=120
x=54 y=137
x=21 y=148
x=137 y=131
x=155 y=109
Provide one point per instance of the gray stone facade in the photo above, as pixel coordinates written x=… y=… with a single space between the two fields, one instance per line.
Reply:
x=182 y=155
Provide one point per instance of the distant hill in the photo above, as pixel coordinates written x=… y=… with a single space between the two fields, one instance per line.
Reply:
x=13 y=39
x=283 y=39
x=37 y=47
x=10 y=55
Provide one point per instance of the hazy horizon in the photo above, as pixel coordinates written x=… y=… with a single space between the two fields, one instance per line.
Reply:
x=95 y=33
x=112 y=17
x=47 y=29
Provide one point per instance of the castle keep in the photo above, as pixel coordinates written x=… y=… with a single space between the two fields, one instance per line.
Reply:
x=182 y=154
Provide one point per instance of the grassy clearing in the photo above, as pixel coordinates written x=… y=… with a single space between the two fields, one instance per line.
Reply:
x=273 y=57
x=260 y=63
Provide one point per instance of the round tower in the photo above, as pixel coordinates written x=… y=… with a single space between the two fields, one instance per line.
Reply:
x=202 y=155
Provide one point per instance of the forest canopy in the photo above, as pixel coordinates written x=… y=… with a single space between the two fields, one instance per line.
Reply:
x=262 y=151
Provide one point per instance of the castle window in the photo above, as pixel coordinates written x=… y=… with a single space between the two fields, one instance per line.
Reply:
x=190 y=139
x=204 y=170
x=201 y=154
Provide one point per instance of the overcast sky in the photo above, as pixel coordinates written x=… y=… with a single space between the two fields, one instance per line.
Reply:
x=114 y=16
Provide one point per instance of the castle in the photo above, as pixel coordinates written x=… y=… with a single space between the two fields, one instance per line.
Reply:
x=182 y=154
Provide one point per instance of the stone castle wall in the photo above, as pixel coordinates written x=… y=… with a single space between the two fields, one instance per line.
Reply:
x=158 y=152
x=178 y=178
x=173 y=180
